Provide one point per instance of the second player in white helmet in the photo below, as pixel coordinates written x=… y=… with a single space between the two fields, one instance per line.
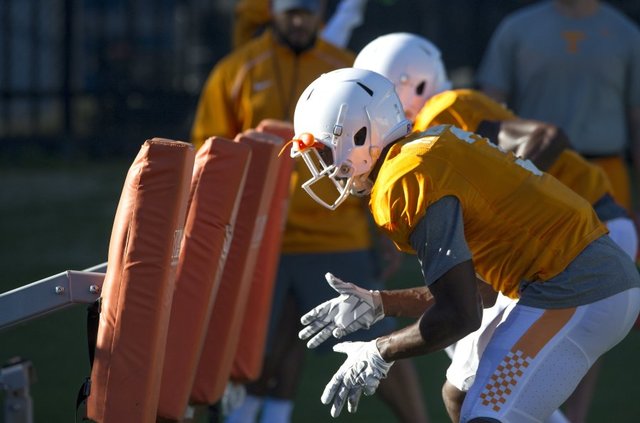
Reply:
x=412 y=63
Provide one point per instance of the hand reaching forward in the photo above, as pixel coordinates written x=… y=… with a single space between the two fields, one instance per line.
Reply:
x=354 y=309
x=361 y=372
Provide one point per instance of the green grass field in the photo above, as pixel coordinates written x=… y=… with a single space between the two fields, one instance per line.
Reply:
x=57 y=216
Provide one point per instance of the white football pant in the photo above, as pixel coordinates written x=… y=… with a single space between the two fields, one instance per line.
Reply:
x=537 y=357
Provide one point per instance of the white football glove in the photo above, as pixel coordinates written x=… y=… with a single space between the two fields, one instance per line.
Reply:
x=356 y=308
x=361 y=372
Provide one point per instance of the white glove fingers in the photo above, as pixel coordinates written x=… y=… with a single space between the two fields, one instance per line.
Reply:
x=331 y=388
x=312 y=329
x=354 y=399
x=346 y=347
x=347 y=330
x=320 y=312
x=339 y=400
x=319 y=338
x=338 y=285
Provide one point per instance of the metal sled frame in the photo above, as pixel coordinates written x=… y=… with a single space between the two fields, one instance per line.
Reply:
x=28 y=302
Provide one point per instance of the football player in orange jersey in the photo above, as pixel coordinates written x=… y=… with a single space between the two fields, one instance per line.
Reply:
x=415 y=67
x=465 y=208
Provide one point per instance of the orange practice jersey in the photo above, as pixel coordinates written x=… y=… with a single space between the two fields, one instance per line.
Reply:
x=467 y=108
x=520 y=223
x=462 y=108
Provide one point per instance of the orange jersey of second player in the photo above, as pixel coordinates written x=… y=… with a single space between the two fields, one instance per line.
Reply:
x=462 y=108
x=466 y=108
x=520 y=223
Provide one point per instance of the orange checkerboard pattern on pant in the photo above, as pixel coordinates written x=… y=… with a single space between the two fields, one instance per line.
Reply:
x=504 y=379
x=517 y=360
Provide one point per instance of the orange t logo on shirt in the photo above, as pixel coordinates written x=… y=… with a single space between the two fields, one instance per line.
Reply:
x=573 y=38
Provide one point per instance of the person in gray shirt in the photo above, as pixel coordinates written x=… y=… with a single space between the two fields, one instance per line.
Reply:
x=575 y=64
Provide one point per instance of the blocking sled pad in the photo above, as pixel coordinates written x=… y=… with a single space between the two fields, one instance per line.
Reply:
x=247 y=364
x=219 y=177
x=139 y=283
x=221 y=340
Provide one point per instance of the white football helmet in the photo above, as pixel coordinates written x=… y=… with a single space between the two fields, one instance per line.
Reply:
x=411 y=62
x=342 y=122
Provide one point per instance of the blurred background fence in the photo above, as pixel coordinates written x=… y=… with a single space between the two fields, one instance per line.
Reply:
x=96 y=77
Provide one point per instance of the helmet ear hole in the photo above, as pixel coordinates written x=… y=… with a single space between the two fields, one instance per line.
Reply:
x=420 y=88
x=360 y=137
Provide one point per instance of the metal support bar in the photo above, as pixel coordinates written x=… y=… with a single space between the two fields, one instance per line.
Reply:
x=99 y=268
x=47 y=295
x=28 y=302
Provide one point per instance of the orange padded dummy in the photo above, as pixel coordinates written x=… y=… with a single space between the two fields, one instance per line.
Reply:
x=218 y=180
x=285 y=131
x=225 y=323
x=277 y=127
x=139 y=283
x=247 y=364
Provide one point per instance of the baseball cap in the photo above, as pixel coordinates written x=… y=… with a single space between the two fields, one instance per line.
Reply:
x=280 y=6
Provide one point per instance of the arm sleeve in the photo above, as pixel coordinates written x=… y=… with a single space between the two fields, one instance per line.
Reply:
x=439 y=239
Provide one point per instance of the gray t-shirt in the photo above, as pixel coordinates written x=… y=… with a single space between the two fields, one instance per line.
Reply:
x=580 y=74
x=439 y=239
x=602 y=269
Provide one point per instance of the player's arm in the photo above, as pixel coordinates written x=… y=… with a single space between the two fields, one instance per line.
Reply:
x=529 y=139
x=449 y=274
x=455 y=308
x=456 y=312
x=412 y=302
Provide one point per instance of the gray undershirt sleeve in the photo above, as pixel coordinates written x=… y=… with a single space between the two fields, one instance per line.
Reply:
x=438 y=239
